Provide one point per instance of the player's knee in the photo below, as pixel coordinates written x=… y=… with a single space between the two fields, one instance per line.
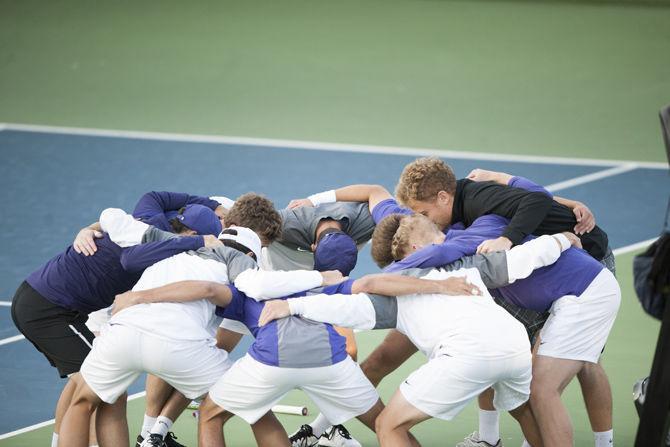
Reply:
x=210 y=412
x=383 y=423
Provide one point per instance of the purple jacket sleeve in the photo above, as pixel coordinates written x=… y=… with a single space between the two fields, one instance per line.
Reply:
x=386 y=208
x=457 y=244
x=528 y=185
x=158 y=202
x=139 y=257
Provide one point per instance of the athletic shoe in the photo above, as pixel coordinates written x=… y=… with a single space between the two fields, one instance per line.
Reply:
x=154 y=440
x=338 y=436
x=170 y=440
x=472 y=440
x=304 y=437
x=138 y=443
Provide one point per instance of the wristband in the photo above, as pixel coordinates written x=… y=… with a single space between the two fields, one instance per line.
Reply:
x=323 y=197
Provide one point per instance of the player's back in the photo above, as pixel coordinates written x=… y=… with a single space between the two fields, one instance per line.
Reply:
x=473 y=326
x=192 y=320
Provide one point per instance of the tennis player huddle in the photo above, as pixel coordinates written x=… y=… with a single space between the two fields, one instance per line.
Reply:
x=508 y=291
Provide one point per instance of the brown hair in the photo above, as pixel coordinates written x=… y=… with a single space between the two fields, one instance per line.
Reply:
x=257 y=213
x=382 y=239
x=176 y=224
x=423 y=178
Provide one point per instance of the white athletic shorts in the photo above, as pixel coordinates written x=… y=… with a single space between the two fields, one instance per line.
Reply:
x=578 y=326
x=98 y=319
x=442 y=387
x=121 y=353
x=250 y=389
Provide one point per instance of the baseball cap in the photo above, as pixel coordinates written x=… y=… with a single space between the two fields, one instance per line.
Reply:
x=245 y=237
x=336 y=250
x=201 y=219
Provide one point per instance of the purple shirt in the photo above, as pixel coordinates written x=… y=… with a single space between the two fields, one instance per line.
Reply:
x=158 y=207
x=89 y=283
x=291 y=342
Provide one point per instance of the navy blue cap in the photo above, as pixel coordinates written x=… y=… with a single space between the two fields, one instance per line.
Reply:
x=200 y=219
x=336 y=251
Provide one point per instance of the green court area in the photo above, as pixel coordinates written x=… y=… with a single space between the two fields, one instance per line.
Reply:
x=567 y=78
x=627 y=356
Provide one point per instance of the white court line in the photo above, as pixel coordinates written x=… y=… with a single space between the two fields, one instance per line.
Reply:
x=321 y=146
x=592 y=177
x=633 y=247
x=51 y=421
x=5 y=304
x=8 y=340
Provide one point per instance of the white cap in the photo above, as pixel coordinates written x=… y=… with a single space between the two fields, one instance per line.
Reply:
x=224 y=201
x=244 y=236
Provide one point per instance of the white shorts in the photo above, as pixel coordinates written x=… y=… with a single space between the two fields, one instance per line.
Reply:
x=250 y=389
x=235 y=326
x=442 y=387
x=121 y=353
x=98 y=319
x=578 y=326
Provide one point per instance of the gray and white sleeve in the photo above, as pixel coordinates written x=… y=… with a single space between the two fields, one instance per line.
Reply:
x=351 y=311
x=499 y=269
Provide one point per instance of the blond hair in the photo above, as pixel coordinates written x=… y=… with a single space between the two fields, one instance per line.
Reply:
x=406 y=234
x=423 y=178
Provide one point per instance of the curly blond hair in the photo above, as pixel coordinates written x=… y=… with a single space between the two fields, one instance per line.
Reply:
x=257 y=213
x=423 y=178
x=406 y=234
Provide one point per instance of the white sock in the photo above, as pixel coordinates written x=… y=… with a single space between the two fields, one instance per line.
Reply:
x=162 y=426
x=54 y=440
x=526 y=444
x=489 y=426
x=319 y=425
x=146 y=426
x=604 y=438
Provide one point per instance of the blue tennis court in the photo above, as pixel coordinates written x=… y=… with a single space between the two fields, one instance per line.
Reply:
x=52 y=184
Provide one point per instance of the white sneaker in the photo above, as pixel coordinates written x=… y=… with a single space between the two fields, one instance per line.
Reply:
x=303 y=437
x=337 y=436
x=472 y=440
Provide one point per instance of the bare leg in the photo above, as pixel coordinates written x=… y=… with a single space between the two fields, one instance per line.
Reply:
x=597 y=394
x=394 y=422
x=524 y=415
x=210 y=424
x=550 y=377
x=269 y=432
x=92 y=432
x=64 y=400
x=111 y=423
x=485 y=400
x=77 y=420
x=158 y=393
x=388 y=356
x=175 y=405
x=227 y=339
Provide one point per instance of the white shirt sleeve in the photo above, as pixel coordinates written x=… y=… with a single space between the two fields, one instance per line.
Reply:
x=122 y=228
x=539 y=252
x=352 y=311
x=265 y=285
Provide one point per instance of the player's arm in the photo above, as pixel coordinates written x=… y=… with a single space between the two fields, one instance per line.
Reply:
x=398 y=285
x=178 y=292
x=585 y=219
x=500 y=269
x=373 y=194
x=264 y=285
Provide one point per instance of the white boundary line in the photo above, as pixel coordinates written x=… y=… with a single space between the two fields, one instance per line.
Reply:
x=321 y=146
x=633 y=247
x=599 y=175
x=51 y=421
x=5 y=304
x=8 y=340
